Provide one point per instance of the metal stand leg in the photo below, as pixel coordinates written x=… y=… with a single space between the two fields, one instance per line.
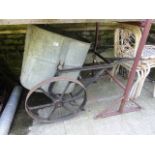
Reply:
x=132 y=107
x=137 y=58
x=125 y=98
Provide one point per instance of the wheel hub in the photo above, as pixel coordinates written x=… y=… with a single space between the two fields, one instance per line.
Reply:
x=58 y=103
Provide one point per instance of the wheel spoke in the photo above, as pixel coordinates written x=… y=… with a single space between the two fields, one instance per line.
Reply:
x=47 y=94
x=73 y=99
x=52 y=112
x=64 y=90
x=68 y=84
x=68 y=109
x=41 y=106
x=75 y=103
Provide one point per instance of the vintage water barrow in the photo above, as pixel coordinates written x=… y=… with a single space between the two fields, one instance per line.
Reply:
x=51 y=70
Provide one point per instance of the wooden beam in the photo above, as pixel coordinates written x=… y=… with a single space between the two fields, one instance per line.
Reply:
x=84 y=26
x=60 y=21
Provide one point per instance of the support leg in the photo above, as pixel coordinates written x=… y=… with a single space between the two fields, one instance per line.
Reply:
x=122 y=108
x=136 y=61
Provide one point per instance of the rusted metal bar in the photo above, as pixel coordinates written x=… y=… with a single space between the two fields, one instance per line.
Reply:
x=136 y=61
x=95 y=46
x=96 y=37
x=120 y=84
x=111 y=113
x=87 y=68
x=101 y=57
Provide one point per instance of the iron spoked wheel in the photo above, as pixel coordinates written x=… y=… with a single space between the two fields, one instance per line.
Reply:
x=49 y=107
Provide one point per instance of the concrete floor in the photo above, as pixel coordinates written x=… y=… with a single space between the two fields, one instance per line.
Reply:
x=101 y=95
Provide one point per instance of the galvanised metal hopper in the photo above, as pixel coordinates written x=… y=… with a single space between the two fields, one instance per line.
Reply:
x=44 y=52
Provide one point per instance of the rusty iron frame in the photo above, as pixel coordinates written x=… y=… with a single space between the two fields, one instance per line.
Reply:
x=122 y=109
